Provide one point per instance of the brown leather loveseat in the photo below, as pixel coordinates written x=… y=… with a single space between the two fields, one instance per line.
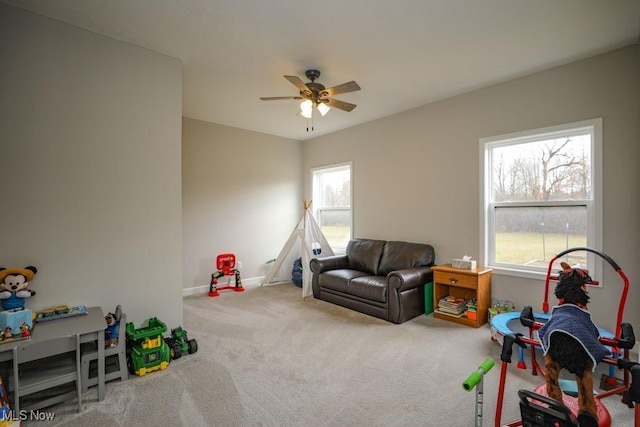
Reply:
x=380 y=278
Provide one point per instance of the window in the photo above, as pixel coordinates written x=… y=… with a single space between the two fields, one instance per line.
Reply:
x=332 y=204
x=541 y=196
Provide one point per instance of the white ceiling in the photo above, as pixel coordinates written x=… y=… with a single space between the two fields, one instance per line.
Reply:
x=403 y=53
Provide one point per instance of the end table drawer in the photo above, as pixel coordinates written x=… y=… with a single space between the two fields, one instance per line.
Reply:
x=459 y=280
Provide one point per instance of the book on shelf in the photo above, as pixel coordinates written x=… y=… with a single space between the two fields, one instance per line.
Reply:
x=450 y=314
x=453 y=300
x=451 y=310
x=452 y=305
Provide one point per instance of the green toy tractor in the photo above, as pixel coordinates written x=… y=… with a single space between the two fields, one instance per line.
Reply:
x=146 y=349
x=179 y=343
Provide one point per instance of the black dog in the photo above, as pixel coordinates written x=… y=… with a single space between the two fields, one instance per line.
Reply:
x=569 y=340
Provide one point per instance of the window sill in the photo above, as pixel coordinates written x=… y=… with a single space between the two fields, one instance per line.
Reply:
x=536 y=275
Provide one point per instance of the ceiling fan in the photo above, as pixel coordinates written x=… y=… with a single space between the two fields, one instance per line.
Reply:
x=315 y=94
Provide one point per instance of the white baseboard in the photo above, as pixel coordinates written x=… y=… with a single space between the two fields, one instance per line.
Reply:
x=252 y=282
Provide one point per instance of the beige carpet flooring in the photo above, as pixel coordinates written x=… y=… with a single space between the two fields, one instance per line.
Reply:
x=268 y=358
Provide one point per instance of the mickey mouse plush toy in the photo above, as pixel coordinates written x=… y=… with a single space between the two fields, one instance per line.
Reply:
x=13 y=286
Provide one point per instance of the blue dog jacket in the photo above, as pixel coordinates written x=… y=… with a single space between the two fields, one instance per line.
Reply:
x=576 y=322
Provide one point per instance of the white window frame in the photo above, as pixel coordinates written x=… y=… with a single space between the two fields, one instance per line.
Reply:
x=316 y=198
x=593 y=205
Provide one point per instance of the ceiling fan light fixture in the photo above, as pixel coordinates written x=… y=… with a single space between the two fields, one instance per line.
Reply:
x=323 y=108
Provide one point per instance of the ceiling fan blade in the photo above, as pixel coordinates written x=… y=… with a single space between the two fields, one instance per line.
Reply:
x=298 y=83
x=279 y=98
x=341 y=105
x=343 y=88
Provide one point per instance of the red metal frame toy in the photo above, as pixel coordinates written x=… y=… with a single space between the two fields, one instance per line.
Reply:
x=623 y=341
x=226 y=265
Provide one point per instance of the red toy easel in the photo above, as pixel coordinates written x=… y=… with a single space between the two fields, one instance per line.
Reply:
x=226 y=265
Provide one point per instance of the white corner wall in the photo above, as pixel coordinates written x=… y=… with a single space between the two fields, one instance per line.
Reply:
x=242 y=193
x=90 y=142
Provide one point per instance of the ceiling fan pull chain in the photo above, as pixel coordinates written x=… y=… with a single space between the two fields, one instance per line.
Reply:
x=311 y=123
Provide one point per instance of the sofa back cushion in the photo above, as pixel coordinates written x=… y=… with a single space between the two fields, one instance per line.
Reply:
x=364 y=254
x=401 y=255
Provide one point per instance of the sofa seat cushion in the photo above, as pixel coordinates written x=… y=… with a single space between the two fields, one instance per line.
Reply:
x=373 y=288
x=338 y=280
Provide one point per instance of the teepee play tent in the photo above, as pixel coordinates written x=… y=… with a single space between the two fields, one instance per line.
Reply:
x=306 y=242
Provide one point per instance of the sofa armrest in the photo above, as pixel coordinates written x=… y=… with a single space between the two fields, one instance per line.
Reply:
x=320 y=265
x=410 y=278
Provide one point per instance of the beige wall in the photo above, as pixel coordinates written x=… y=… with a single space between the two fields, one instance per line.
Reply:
x=415 y=174
x=90 y=176
x=242 y=193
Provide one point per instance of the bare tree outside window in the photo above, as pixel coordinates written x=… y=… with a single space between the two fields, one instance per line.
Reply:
x=557 y=169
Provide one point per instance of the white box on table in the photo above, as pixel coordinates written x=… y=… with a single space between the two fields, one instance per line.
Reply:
x=464 y=264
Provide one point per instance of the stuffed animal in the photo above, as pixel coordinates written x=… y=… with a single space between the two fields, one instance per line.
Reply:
x=13 y=286
x=570 y=341
x=111 y=331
